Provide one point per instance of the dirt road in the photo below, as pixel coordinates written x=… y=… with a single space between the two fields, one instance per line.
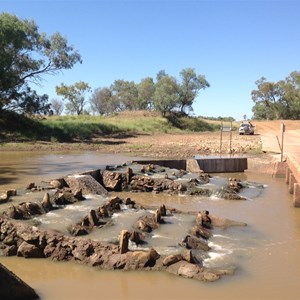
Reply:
x=271 y=136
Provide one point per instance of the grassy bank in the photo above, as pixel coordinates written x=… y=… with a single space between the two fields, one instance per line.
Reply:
x=73 y=128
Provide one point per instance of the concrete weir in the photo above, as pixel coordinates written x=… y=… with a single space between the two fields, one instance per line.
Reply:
x=292 y=177
x=204 y=164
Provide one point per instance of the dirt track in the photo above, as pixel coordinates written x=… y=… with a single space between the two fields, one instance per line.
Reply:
x=271 y=136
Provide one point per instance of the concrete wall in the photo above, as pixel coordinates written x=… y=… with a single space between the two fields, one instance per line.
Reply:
x=292 y=178
x=223 y=165
x=208 y=165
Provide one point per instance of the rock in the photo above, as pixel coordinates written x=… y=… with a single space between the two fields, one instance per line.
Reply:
x=203 y=219
x=163 y=210
x=46 y=203
x=30 y=186
x=188 y=270
x=6 y=196
x=114 y=181
x=158 y=218
x=171 y=259
x=29 y=251
x=123 y=241
x=78 y=195
x=58 y=183
x=13 y=213
x=185 y=269
x=147 y=223
x=77 y=230
x=30 y=209
x=90 y=220
x=65 y=198
x=192 y=242
x=86 y=183
x=141 y=259
x=136 y=238
x=187 y=255
x=199 y=231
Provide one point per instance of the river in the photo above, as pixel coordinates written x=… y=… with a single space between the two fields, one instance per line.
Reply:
x=265 y=252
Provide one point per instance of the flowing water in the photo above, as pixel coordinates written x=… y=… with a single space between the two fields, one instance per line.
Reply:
x=265 y=253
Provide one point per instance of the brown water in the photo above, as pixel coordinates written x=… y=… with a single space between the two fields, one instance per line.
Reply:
x=266 y=252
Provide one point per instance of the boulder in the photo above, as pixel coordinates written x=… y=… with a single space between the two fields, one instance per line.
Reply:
x=58 y=183
x=200 y=231
x=65 y=198
x=123 y=241
x=171 y=259
x=114 y=181
x=192 y=242
x=29 y=251
x=141 y=259
x=46 y=203
x=86 y=183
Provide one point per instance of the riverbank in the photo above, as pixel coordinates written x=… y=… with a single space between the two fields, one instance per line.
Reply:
x=160 y=145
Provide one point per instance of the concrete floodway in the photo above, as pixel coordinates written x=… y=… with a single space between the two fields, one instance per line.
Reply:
x=285 y=143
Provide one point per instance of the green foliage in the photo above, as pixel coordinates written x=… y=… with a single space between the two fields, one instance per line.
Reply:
x=125 y=93
x=190 y=85
x=26 y=55
x=166 y=94
x=75 y=96
x=84 y=127
x=192 y=124
x=277 y=100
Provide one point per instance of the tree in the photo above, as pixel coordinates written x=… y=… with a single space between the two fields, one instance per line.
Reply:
x=75 y=95
x=57 y=106
x=160 y=75
x=102 y=101
x=191 y=84
x=277 y=100
x=146 y=90
x=125 y=93
x=29 y=102
x=271 y=95
x=166 y=94
x=26 y=55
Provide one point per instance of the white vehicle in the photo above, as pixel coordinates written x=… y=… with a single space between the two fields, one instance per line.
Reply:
x=246 y=128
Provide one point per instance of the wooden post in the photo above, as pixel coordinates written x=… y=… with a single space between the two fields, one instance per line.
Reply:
x=230 y=136
x=282 y=134
x=221 y=137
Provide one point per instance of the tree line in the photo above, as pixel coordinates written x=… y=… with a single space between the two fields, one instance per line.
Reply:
x=277 y=100
x=26 y=55
x=166 y=94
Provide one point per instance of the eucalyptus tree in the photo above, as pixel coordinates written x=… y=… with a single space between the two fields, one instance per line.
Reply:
x=74 y=95
x=190 y=85
x=166 y=95
x=270 y=99
x=125 y=94
x=57 y=106
x=146 y=90
x=26 y=55
x=103 y=102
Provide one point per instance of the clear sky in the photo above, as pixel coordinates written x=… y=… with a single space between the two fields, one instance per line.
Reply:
x=232 y=43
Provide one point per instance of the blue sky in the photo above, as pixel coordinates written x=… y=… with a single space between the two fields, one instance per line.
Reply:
x=232 y=43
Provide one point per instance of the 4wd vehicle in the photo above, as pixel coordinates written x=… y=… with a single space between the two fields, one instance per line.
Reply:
x=246 y=128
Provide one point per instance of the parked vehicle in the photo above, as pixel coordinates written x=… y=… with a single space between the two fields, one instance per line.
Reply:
x=246 y=128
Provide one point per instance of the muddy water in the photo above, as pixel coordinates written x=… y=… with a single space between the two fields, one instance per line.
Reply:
x=265 y=253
